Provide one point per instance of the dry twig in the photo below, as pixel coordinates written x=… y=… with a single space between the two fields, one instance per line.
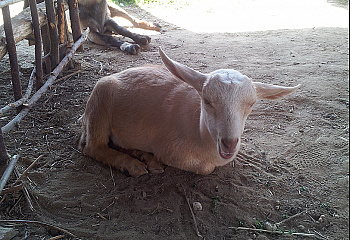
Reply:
x=192 y=213
x=68 y=76
x=28 y=168
x=26 y=193
x=39 y=223
x=12 y=189
x=274 y=232
x=290 y=218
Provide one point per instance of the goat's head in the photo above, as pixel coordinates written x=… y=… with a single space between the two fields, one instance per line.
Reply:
x=227 y=98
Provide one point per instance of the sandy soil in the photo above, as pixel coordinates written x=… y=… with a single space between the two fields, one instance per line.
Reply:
x=292 y=172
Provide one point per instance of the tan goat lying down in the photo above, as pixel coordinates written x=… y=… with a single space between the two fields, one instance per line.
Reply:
x=144 y=117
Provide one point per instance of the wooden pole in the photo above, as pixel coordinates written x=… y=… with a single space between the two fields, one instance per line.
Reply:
x=54 y=48
x=3 y=153
x=45 y=36
x=38 y=50
x=75 y=22
x=11 y=48
x=60 y=13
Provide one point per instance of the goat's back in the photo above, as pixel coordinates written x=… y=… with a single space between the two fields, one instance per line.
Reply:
x=147 y=108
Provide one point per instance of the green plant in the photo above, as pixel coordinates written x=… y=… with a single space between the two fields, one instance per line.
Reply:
x=215 y=201
x=124 y=2
x=259 y=225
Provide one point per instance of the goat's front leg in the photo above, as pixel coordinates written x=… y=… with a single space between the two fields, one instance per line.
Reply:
x=153 y=164
x=112 y=26
x=119 y=160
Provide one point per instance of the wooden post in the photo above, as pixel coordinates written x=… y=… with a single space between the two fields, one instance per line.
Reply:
x=54 y=48
x=45 y=36
x=75 y=22
x=60 y=13
x=3 y=153
x=38 y=51
x=11 y=49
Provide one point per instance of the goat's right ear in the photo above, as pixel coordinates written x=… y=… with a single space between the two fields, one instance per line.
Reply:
x=192 y=77
x=272 y=92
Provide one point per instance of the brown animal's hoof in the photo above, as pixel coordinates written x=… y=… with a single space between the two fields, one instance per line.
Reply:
x=156 y=169
x=137 y=168
x=153 y=165
x=132 y=49
x=144 y=40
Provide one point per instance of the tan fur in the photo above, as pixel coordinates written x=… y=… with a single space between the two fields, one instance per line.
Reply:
x=163 y=116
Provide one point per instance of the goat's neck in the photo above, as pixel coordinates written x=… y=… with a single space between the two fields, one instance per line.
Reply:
x=205 y=136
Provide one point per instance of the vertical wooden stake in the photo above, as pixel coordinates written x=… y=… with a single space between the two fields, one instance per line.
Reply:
x=51 y=19
x=45 y=36
x=11 y=49
x=38 y=51
x=74 y=18
x=3 y=153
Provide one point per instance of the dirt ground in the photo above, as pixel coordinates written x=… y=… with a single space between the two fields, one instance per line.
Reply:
x=292 y=172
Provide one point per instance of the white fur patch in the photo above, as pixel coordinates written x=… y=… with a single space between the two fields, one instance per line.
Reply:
x=124 y=46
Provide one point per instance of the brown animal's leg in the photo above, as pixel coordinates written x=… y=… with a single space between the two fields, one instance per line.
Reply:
x=153 y=165
x=105 y=39
x=116 y=159
x=111 y=25
x=96 y=146
x=117 y=11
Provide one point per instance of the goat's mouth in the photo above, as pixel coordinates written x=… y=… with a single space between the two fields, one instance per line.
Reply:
x=225 y=155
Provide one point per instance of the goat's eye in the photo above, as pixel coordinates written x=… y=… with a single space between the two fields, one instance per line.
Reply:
x=206 y=102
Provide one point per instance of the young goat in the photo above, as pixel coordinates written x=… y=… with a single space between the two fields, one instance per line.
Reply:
x=174 y=116
x=96 y=15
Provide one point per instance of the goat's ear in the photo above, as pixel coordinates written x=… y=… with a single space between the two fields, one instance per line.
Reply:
x=192 y=77
x=272 y=92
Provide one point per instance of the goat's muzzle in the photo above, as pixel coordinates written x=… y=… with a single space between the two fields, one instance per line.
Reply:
x=228 y=147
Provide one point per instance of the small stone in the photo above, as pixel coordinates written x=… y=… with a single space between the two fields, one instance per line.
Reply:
x=322 y=219
x=301 y=227
x=270 y=226
x=197 y=206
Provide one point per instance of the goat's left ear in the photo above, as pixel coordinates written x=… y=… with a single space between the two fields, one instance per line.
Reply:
x=272 y=92
x=187 y=74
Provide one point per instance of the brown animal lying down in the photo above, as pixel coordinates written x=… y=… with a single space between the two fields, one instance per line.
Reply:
x=98 y=16
x=144 y=117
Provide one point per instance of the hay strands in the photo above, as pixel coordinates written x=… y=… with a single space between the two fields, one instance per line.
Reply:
x=39 y=223
x=277 y=232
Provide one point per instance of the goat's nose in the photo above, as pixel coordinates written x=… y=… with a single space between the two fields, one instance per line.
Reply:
x=229 y=145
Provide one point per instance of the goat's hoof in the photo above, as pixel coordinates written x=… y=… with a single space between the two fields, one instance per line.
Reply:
x=132 y=49
x=144 y=40
x=137 y=168
x=156 y=169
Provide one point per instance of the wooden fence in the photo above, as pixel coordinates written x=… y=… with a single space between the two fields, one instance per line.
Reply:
x=49 y=36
